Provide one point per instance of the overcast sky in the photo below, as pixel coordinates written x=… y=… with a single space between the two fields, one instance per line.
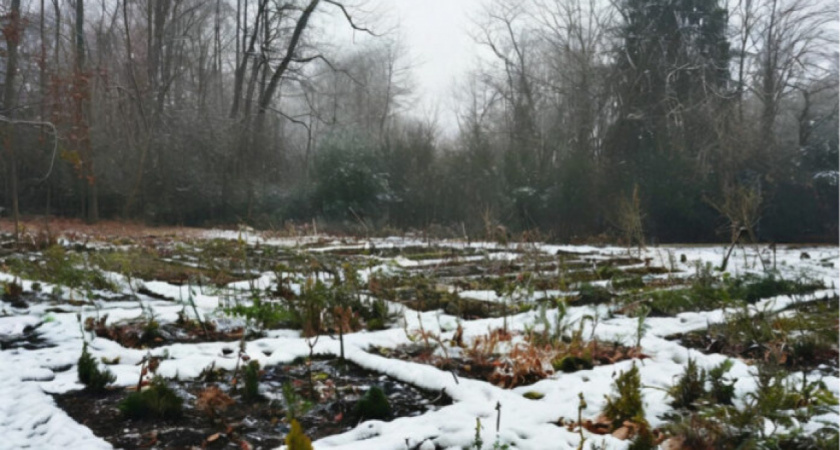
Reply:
x=436 y=35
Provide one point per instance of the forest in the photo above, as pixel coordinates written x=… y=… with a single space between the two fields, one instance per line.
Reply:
x=629 y=121
x=268 y=224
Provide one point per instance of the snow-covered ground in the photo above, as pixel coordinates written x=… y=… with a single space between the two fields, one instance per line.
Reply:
x=29 y=418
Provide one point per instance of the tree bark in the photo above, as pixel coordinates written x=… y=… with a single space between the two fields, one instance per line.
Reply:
x=13 y=35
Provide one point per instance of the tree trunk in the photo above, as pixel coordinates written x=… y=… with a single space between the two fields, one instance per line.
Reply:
x=82 y=117
x=13 y=35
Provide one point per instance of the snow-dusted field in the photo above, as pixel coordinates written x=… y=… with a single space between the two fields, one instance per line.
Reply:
x=29 y=417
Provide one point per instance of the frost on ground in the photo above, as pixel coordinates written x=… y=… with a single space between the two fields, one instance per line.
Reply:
x=42 y=343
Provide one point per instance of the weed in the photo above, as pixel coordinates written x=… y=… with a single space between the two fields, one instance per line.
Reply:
x=477 y=441
x=157 y=401
x=634 y=282
x=212 y=401
x=295 y=405
x=264 y=314
x=592 y=295
x=62 y=268
x=581 y=406
x=94 y=378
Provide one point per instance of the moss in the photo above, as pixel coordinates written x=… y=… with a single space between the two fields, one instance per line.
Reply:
x=533 y=395
x=373 y=405
x=296 y=440
x=158 y=401
x=569 y=364
x=94 y=379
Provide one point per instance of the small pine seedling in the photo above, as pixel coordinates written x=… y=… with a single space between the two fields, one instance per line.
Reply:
x=296 y=439
x=373 y=405
x=157 y=401
x=627 y=405
x=94 y=379
x=252 y=381
x=690 y=388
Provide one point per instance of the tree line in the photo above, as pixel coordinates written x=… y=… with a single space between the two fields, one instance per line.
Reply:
x=640 y=120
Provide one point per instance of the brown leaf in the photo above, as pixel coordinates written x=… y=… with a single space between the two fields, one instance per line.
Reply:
x=621 y=433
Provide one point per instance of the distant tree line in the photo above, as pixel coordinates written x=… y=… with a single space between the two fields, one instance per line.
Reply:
x=641 y=120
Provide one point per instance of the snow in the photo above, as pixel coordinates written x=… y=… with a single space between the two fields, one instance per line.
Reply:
x=29 y=418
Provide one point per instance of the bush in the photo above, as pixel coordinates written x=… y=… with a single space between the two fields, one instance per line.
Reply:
x=373 y=405
x=349 y=175
x=94 y=379
x=158 y=401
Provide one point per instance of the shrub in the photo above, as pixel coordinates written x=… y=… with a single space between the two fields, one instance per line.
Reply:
x=373 y=405
x=158 y=401
x=296 y=440
x=94 y=379
x=349 y=178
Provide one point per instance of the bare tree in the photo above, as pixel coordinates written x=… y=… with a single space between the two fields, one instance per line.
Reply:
x=13 y=31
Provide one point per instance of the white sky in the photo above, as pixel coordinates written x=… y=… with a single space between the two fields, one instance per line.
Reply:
x=436 y=35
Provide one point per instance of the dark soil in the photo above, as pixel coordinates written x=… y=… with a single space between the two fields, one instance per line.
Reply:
x=263 y=423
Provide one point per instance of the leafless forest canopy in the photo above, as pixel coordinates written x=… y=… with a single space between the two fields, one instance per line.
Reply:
x=634 y=120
